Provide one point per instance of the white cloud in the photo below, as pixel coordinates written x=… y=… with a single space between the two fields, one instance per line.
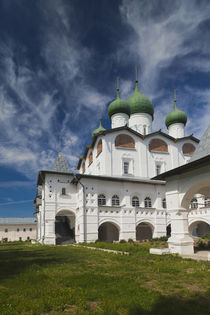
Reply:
x=163 y=34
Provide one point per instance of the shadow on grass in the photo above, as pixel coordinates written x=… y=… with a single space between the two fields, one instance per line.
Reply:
x=199 y=305
x=16 y=259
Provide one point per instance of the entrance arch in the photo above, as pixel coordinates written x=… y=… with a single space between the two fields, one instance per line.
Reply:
x=201 y=187
x=144 y=231
x=108 y=232
x=199 y=228
x=65 y=227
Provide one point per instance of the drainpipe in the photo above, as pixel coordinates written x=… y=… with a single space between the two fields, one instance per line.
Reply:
x=84 y=206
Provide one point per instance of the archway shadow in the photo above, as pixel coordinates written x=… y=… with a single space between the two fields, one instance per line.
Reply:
x=198 y=305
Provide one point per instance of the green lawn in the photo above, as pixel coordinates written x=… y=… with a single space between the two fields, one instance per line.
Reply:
x=36 y=279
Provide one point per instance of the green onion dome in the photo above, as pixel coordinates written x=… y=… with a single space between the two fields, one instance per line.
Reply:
x=140 y=103
x=177 y=116
x=99 y=129
x=118 y=106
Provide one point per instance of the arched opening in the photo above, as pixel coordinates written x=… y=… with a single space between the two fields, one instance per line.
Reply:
x=124 y=141
x=108 y=232
x=99 y=147
x=90 y=158
x=199 y=228
x=144 y=231
x=188 y=149
x=202 y=188
x=158 y=145
x=65 y=227
x=168 y=230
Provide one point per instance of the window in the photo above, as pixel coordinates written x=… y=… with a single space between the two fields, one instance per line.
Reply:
x=99 y=147
x=164 y=203
x=24 y=230
x=115 y=200
x=194 y=203
x=135 y=201
x=90 y=158
x=145 y=130
x=63 y=191
x=125 y=167
x=158 y=169
x=5 y=230
x=207 y=202
x=83 y=167
x=188 y=149
x=30 y=229
x=158 y=145
x=18 y=229
x=124 y=141
x=101 y=200
x=28 y=238
x=147 y=202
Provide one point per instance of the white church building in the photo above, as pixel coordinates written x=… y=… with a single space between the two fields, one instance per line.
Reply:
x=115 y=193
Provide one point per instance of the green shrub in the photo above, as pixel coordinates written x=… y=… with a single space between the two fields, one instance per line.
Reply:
x=130 y=240
x=122 y=241
x=206 y=237
x=162 y=239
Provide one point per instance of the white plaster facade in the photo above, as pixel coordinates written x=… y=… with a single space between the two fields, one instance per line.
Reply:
x=17 y=229
x=105 y=176
x=113 y=196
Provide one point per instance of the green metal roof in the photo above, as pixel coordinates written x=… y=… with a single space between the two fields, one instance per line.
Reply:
x=140 y=103
x=99 y=129
x=118 y=106
x=177 y=116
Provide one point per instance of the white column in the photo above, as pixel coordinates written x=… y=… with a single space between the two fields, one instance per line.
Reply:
x=180 y=241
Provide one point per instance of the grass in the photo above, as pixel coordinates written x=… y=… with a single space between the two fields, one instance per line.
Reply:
x=37 y=279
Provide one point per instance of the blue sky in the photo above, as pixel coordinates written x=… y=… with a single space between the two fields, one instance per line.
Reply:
x=59 y=60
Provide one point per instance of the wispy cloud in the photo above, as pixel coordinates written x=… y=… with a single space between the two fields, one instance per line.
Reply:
x=15 y=202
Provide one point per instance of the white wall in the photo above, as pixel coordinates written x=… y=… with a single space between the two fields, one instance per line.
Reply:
x=14 y=235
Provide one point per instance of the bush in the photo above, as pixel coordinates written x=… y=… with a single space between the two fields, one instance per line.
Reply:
x=130 y=240
x=206 y=237
x=122 y=241
x=162 y=239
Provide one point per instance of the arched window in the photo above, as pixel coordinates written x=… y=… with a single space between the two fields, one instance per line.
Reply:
x=145 y=129
x=90 y=158
x=83 y=167
x=135 y=201
x=188 y=149
x=194 y=203
x=99 y=147
x=158 y=145
x=164 y=203
x=124 y=141
x=207 y=202
x=115 y=200
x=101 y=200
x=147 y=202
x=63 y=191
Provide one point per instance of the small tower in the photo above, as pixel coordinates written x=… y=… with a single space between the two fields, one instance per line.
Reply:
x=98 y=130
x=176 y=121
x=119 y=112
x=142 y=111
